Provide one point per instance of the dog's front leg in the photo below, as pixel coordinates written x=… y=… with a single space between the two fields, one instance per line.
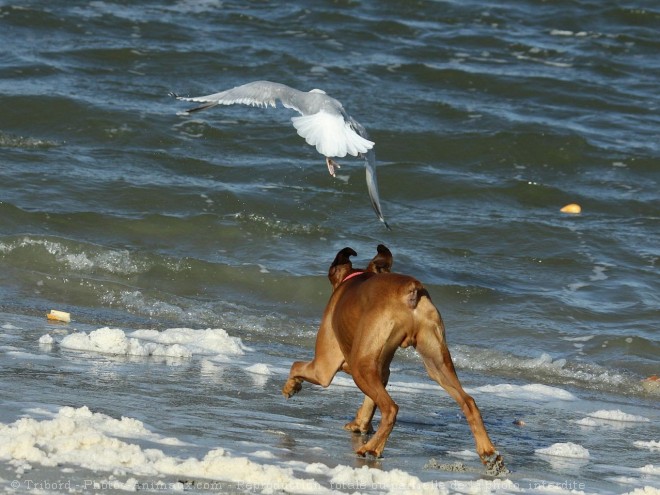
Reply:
x=328 y=360
x=371 y=375
x=362 y=422
x=365 y=413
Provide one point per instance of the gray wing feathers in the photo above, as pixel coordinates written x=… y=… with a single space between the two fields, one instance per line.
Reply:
x=257 y=94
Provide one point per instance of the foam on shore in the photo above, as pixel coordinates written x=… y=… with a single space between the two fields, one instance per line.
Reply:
x=569 y=449
x=618 y=415
x=90 y=440
x=181 y=343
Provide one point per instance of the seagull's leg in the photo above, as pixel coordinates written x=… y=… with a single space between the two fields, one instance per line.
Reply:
x=332 y=166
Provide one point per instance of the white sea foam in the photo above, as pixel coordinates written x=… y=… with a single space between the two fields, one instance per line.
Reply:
x=264 y=454
x=464 y=454
x=561 y=32
x=583 y=338
x=181 y=343
x=533 y=391
x=568 y=449
x=209 y=342
x=259 y=369
x=349 y=479
x=114 y=261
x=114 y=341
x=650 y=469
x=79 y=437
x=652 y=445
x=618 y=415
x=260 y=373
x=589 y=422
x=490 y=360
x=646 y=490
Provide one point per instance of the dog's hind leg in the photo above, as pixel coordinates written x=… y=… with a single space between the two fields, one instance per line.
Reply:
x=432 y=347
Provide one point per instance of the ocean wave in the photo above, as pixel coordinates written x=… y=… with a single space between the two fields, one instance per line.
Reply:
x=57 y=254
x=546 y=369
x=618 y=416
x=25 y=142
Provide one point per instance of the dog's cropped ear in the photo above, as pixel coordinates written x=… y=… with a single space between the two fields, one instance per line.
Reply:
x=382 y=262
x=341 y=266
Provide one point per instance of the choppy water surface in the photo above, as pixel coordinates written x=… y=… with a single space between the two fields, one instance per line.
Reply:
x=487 y=118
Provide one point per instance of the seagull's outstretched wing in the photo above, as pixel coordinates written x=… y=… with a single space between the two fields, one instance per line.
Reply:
x=370 y=168
x=256 y=94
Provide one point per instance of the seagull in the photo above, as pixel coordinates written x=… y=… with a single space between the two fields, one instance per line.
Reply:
x=323 y=123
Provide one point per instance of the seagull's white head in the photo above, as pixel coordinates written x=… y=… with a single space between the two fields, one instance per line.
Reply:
x=317 y=91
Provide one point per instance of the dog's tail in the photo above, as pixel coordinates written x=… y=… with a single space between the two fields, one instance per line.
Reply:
x=413 y=292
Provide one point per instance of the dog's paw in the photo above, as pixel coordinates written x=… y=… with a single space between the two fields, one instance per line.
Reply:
x=372 y=452
x=355 y=427
x=371 y=449
x=495 y=464
x=291 y=387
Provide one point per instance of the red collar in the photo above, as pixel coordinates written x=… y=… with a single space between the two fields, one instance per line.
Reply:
x=354 y=274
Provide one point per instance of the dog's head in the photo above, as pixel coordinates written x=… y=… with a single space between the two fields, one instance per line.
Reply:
x=341 y=266
x=382 y=262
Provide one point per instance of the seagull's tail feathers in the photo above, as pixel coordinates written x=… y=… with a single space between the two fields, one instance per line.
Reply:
x=331 y=135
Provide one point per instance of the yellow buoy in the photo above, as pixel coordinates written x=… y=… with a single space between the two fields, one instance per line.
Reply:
x=573 y=208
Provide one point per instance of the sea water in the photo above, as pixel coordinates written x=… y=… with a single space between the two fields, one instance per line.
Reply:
x=192 y=252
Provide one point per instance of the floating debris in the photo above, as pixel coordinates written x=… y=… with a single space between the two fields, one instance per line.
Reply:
x=62 y=316
x=572 y=208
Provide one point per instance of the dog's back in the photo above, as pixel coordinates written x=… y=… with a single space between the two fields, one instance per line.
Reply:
x=377 y=303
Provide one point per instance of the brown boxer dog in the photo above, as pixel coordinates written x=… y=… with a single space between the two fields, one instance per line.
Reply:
x=372 y=313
